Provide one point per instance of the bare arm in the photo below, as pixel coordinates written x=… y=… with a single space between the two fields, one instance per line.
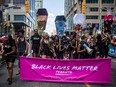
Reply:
x=16 y=41
x=26 y=51
x=40 y=45
x=30 y=46
x=78 y=49
x=73 y=46
x=94 y=31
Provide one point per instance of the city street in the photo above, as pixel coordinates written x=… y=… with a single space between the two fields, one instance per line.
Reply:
x=74 y=39
x=18 y=83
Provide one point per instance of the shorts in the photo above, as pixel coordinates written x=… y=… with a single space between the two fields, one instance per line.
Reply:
x=46 y=52
x=35 y=49
x=10 y=58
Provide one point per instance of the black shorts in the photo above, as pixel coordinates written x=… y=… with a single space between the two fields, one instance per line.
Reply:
x=46 y=52
x=10 y=58
x=35 y=48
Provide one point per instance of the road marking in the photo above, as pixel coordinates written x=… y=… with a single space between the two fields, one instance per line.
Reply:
x=87 y=85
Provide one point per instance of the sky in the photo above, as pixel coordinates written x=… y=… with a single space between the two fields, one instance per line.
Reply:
x=54 y=8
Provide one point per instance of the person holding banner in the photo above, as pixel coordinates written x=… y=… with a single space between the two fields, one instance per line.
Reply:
x=35 y=43
x=105 y=42
x=65 y=43
x=72 y=47
x=81 y=50
x=56 y=46
x=92 y=46
x=99 y=45
x=59 y=47
x=45 y=47
x=9 y=53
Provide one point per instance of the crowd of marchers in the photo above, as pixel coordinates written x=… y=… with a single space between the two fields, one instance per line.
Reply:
x=73 y=46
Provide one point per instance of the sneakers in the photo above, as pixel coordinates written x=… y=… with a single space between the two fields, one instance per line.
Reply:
x=9 y=81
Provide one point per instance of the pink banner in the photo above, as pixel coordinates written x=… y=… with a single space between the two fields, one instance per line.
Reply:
x=89 y=71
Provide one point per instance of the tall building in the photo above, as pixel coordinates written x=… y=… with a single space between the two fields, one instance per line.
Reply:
x=32 y=7
x=69 y=13
x=95 y=11
x=17 y=16
x=38 y=4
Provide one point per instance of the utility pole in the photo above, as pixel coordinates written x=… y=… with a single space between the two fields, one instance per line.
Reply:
x=100 y=14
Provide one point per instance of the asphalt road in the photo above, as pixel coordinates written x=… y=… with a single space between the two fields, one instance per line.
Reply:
x=18 y=83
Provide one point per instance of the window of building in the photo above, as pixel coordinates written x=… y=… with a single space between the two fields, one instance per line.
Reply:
x=9 y=17
x=18 y=1
x=93 y=9
x=107 y=1
x=91 y=17
x=32 y=8
x=91 y=1
x=19 y=18
x=16 y=7
x=7 y=1
x=102 y=17
x=104 y=10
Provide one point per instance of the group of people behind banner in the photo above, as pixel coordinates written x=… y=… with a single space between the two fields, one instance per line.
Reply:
x=74 y=46
x=70 y=47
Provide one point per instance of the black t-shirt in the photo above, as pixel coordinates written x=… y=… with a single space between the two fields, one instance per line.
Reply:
x=7 y=47
x=36 y=39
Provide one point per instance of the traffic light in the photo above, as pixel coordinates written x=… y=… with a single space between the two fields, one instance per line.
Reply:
x=27 y=6
x=91 y=24
x=8 y=23
x=2 y=1
x=83 y=7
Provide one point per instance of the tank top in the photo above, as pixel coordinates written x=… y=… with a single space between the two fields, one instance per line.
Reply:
x=21 y=45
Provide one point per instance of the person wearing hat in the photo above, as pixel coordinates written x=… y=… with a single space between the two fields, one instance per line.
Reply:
x=35 y=43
